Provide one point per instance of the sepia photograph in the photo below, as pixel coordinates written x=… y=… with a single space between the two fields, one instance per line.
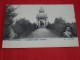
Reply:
x=35 y=26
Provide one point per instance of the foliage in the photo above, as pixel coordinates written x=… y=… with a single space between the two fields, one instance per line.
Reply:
x=23 y=27
x=10 y=14
x=59 y=26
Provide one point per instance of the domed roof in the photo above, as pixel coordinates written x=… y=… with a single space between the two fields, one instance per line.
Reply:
x=41 y=10
x=41 y=15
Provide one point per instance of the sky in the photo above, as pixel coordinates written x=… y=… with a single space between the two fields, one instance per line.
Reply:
x=30 y=12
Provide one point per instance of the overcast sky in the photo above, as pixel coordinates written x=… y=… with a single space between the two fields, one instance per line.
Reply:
x=30 y=12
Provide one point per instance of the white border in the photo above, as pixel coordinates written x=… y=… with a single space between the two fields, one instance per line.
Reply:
x=41 y=42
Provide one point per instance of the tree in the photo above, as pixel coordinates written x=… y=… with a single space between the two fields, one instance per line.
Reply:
x=10 y=14
x=58 y=26
x=59 y=20
x=23 y=27
x=49 y=25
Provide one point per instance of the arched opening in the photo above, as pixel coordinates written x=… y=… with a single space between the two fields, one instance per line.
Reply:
x=41 y=24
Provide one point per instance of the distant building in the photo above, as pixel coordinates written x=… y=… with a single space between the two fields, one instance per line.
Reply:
x=41 y=18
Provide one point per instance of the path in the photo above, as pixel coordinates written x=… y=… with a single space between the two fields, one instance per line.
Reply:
x=41 y=33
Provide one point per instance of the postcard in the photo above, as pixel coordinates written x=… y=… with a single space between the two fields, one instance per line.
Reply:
x=40 y=26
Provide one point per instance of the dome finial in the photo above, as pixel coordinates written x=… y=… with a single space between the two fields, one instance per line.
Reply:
x=41 y=10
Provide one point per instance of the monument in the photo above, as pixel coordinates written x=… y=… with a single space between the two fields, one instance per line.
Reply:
x=41 y=18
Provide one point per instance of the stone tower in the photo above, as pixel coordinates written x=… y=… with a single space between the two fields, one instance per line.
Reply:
x=41 y=18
